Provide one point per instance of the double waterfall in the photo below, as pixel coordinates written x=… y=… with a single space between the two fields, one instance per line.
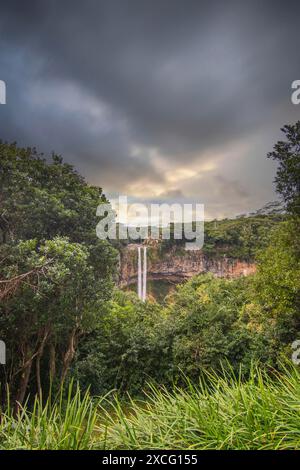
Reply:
x=142 y=273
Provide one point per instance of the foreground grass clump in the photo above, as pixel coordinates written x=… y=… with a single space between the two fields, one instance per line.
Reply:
x=66 y=423
x=220 y=413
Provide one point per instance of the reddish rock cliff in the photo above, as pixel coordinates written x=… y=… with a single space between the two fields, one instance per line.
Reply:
x=179 y=265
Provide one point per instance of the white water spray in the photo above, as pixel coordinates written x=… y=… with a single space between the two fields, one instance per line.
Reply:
x=145 y=274
x=142 y=274
x=139 y=273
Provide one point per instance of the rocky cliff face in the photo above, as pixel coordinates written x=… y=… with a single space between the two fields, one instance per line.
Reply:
x=176 y=266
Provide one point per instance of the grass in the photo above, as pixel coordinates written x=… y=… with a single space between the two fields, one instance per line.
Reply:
x=219 y=413
x=67 y=423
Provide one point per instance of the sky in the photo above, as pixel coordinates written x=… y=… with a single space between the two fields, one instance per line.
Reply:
x=161 y=101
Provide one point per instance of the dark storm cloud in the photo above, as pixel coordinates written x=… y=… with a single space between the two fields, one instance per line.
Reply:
x=105 y=83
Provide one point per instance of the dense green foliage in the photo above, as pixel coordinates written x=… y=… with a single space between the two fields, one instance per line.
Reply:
x=55 y=274
x=43 y=199
x=205 y=322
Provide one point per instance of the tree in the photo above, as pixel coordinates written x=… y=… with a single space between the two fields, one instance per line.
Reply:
x=50 y=310
x=42 y=199
x=287 y=154
x=127 y=350
x=277 y=288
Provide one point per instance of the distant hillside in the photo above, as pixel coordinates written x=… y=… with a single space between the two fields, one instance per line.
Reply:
x=238 y=238
x=241 y=237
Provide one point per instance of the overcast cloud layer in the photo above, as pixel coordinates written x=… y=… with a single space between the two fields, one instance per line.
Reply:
x=159 y=100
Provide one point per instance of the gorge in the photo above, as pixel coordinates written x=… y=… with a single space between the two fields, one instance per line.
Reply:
x=175 y=266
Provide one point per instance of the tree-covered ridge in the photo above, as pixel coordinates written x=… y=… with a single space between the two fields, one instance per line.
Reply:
x=240 y=238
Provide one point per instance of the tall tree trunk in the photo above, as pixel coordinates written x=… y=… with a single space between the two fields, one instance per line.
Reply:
x=52 y=363
x=38 y=375
x=68 y=356
x=38 y=361
x=22 y=386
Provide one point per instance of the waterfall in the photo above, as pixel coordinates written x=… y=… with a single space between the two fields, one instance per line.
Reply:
x=142 y=274
x=139 y=273
x=145 y=274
